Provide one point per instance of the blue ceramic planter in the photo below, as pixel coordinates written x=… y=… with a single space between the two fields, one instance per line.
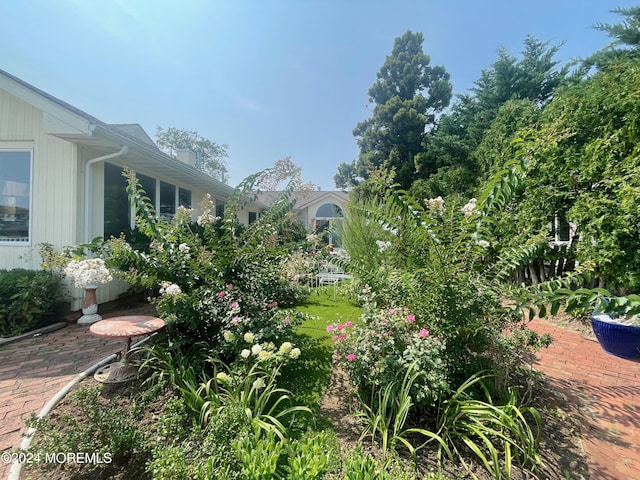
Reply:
x=617 y=339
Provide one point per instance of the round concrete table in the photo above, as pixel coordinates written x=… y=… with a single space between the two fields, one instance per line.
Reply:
x=127 y=327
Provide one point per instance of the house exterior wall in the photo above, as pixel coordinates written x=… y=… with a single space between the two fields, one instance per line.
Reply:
x=53 y=212
x=311 y=209
x=32 y=121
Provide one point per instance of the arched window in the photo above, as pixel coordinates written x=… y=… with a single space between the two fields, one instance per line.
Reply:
x=329 y=210
x=328 y=218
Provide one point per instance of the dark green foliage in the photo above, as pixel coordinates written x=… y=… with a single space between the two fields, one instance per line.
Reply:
x=407 y=95
x=450 y=160
x=26 y=296
x=101 y=427
x=583 y=167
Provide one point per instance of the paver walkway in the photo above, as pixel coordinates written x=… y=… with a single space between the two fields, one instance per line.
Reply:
x=607 y=388
x=32 y=371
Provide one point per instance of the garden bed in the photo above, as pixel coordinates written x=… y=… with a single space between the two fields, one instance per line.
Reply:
x=561 y=449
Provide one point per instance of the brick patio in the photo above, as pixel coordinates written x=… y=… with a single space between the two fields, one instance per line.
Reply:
x=608 y=390
x=33 y=370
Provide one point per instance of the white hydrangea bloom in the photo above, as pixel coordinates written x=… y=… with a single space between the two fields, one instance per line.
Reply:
x=295 y=353
x=90 y=271
x=248 y=337
x=469 y=208
x=256 y=349
x=436 y=204
x=264 y=355
x=285 y=348
x=245 y=353
x=170 y=289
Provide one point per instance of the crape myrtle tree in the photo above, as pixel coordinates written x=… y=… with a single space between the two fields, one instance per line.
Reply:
x=212 y=154
x=407 y=95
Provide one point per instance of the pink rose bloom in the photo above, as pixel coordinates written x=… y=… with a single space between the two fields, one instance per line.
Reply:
x=229 y=286
x=336 y=338
x=330 y=328
x=234 y=305
x=351 y=357
x=339 y=327
x=235 y=320
x=392 y=311
x=221 y=294
x=348 y=324
x=423 y=333
x=343 y=337
x=287 y=320
x=411 y=318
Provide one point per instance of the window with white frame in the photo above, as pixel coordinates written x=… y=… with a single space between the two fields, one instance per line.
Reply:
x=15 y=196
x=561 y=230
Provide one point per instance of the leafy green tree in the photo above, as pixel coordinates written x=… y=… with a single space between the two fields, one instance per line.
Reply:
x=212 y=155
x=346 y=177
x=592 y=168
x=407 y=95
x=449 y=162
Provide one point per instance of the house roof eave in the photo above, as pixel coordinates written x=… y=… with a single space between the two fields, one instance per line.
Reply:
x=148 y=158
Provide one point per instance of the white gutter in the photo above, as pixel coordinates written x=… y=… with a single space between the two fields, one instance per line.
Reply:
x=88 y=191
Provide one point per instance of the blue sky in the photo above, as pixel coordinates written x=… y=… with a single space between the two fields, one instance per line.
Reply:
x=270 y=78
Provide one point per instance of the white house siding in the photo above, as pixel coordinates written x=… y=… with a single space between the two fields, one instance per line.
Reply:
x=53 y=181
x=31 y=120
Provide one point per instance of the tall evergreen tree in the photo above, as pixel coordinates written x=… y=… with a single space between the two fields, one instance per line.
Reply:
x=625 y=38
x=408 y=94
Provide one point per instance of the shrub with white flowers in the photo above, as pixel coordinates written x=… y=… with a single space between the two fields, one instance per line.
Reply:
x=218 y=280
x=90 y=271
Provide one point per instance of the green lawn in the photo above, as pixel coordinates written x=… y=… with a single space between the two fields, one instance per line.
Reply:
x=307 y=378
x=326 y=309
